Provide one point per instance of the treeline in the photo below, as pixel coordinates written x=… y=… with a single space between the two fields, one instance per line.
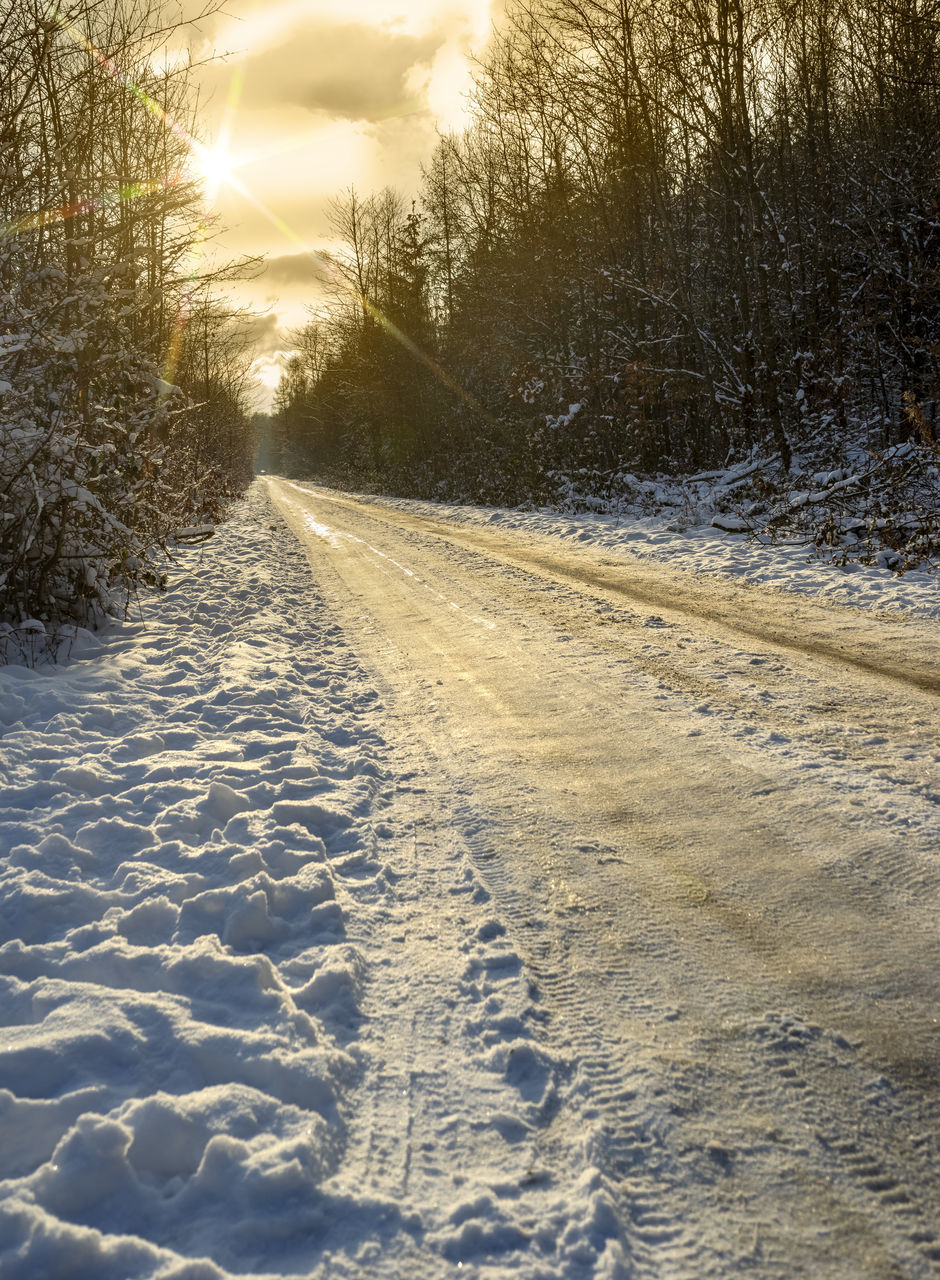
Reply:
x=674 y=232
x=122 y=378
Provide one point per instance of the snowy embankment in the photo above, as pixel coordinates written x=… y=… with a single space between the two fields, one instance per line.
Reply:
x=680 y=535
x=171 y=923
x=228 y=986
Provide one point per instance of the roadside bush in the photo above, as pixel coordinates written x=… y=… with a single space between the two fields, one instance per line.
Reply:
x=82 y=516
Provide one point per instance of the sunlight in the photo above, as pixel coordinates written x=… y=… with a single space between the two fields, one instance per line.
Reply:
x=214 y=166
x=449 y=83
x=329 y=155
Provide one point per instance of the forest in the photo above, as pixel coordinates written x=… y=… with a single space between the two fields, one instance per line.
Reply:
x=675 y=236
x=124 y=374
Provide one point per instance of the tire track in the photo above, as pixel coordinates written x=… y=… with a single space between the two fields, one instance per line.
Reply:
x=739 y=610
x=853 y=1146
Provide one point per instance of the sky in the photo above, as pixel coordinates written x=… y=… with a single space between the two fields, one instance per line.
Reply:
x=301 y=99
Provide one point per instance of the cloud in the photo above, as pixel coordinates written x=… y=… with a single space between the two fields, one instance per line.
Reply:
x=265 y=334
x=295 y=268
x=349 y=71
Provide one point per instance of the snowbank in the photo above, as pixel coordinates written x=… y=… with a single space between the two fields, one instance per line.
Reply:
x=176 y=801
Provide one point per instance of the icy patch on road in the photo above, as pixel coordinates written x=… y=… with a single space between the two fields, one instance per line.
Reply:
x=335 y=540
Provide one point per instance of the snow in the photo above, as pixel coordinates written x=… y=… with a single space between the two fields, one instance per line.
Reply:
x=202 y=915
x=263 y=1014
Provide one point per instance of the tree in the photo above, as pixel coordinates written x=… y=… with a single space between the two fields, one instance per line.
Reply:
x=673 y=234
x=99 y=210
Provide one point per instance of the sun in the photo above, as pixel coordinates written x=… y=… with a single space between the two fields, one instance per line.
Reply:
x=214 y=166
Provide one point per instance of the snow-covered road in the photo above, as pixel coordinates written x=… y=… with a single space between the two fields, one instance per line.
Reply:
x=714 y=830
x=414 y=897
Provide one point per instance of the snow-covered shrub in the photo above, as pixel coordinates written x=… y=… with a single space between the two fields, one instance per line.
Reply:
x=82 y=421
x=103 y=464
x=873 y=507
